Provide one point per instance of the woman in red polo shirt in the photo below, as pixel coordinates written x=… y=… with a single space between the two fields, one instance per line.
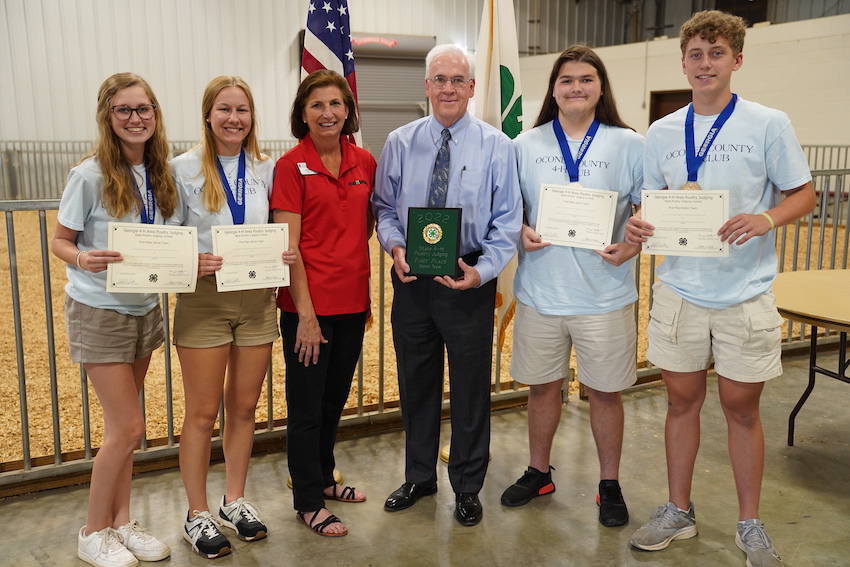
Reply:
x=322 y=189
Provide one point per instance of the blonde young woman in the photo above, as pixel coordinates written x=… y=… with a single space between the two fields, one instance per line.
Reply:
x=224 y=180
x=125 y=179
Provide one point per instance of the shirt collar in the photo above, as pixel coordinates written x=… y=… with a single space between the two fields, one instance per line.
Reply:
x=314 y=162
x=457 y=129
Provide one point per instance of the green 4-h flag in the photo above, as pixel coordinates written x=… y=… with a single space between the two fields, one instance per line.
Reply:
x=498 y=101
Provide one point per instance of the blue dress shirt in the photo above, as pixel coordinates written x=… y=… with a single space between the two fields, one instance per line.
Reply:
x=482 y=181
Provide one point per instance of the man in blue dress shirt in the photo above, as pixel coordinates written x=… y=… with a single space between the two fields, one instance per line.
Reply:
x=455 y=313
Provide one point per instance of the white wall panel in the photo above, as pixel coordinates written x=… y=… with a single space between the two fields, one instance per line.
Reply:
x=801 y=68
x=58 y=52
x=21 y=83
x=8 y=93
x=55 y=53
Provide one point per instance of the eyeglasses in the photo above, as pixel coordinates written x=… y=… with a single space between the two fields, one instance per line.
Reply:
x=145 y=111
x=457 y=82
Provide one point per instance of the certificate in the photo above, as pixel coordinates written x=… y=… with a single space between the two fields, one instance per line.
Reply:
x=686 y=222
x=572 y=215
x=252 y=256
x=157 y=258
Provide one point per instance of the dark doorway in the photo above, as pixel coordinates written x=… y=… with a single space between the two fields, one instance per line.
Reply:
x=753 y=11
x=662 y=103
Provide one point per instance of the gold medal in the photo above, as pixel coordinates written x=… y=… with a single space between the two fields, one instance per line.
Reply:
x=690 y=186
x=432 y=233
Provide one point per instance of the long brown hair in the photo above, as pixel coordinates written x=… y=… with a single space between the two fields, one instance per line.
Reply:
x=119 y=195
x=606 y=108
x=213 y=195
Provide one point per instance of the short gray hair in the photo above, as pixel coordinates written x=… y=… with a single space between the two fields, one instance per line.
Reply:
x=449 y=48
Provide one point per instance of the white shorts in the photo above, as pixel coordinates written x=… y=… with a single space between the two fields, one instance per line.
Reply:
x=605 y=348
x=744 y=339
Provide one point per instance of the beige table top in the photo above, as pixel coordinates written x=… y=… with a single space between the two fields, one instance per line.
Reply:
x=816 y=297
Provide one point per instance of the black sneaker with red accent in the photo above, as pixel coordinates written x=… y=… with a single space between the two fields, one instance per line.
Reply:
x=612 y=507
x=531 y=484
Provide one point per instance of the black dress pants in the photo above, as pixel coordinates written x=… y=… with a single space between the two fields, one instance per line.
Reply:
x=315 y=398
x=426 y=317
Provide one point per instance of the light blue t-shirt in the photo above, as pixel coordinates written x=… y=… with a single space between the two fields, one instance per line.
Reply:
x=81 y=209
x=482 y=182
x=562 y=280
x=755 y=156
x=190 y=190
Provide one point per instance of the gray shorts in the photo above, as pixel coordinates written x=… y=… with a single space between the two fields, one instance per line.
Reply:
x=102 y=335
x=743 y=339
x=605 y=346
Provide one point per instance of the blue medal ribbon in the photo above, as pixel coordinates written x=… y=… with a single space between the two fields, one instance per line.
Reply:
x=237 y=202
x=695 y=158
x=148 y=209
x=572 y=166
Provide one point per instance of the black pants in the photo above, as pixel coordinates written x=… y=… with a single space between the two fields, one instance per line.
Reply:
x=315 y=397
x=427 y=316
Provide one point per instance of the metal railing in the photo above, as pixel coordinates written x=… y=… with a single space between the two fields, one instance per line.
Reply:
x=808 y=244
x=38 y=170
x=828 y=157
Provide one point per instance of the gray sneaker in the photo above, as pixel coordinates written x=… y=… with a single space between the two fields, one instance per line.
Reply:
x=665 y=524
x=754 y=541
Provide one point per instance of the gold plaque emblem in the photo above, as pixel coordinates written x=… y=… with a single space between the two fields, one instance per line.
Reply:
x=432 y=233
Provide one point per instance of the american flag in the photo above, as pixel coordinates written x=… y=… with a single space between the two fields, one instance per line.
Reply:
x=327 y=40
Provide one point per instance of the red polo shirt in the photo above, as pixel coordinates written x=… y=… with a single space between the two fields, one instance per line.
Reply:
x=334 y=215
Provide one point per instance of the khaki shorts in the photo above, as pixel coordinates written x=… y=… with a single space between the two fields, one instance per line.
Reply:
x=604 y=343
x=208 y=318
x=744 y=339
x=102 y=335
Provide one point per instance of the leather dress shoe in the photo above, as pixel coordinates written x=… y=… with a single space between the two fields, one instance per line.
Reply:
x=468 y=510
x=407 y=495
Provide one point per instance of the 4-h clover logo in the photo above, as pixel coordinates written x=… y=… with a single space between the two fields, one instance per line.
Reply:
x=153 y=278
x=432 y=233
x=252 y=274
x=571 y=233
x=683 y=242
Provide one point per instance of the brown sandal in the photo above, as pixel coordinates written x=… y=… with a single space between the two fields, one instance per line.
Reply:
x=320 y=527
x=347 y=495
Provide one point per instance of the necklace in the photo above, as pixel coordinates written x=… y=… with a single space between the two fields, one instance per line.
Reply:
x=229 y=165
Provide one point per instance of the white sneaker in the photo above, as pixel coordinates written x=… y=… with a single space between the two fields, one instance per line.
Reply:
x=104 y=549
x=141 y=543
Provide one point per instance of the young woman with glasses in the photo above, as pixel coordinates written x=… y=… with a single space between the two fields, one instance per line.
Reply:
x=126 y=179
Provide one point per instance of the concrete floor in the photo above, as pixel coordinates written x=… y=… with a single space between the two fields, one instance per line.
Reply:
x=805 y=499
